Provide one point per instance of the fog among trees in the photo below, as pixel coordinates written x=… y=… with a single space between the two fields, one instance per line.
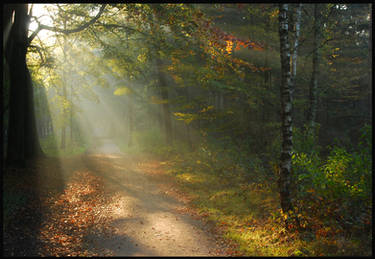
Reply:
x=259 y=114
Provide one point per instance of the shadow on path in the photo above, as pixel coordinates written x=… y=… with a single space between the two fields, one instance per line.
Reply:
x=145 y=220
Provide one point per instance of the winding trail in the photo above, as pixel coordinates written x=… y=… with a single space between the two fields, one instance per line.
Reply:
x=146 y=219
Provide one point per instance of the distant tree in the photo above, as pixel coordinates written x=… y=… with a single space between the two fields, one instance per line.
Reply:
x=297 y=25
x=313 y=91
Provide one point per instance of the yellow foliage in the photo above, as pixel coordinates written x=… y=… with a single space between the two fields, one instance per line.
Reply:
x=186 y=117
x=229 y=46
x=275 y=13
x=207 y=109
x=141 y=58
x=122 y=91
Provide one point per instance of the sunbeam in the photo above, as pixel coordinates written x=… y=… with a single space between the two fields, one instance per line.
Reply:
x=187 y=129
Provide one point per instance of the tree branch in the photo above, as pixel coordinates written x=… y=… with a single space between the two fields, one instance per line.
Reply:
x=78 y=29
x=38 y=49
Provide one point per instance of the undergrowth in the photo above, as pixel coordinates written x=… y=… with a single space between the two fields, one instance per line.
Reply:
x=51 y=147
x=332 y=201
x=235 y=187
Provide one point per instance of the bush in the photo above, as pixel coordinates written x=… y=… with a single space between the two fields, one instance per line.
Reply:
x=337 y=190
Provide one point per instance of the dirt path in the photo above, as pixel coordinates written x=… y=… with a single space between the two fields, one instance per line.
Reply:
x=145 y=219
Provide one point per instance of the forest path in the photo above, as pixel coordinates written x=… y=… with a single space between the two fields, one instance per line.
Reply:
x=146 y=220
x=104 y=146
x=103 y=205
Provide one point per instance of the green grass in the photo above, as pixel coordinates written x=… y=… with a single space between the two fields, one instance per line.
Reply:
x=52 y=148
x=241 y=197
x=241 y=207
x=248 y=210
x=151 y=142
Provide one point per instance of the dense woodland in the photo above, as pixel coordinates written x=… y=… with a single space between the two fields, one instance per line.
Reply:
x=278 y=97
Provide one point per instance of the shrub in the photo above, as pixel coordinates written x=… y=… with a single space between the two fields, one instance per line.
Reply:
x=337 y=190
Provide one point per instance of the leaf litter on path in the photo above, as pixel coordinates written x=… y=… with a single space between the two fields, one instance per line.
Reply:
x=72 y=220
x=55 y=222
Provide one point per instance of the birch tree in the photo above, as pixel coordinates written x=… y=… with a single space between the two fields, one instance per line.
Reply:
x=286 y=111
x=296 y=42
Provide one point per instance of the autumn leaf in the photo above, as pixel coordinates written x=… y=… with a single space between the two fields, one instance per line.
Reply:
x=229 y=46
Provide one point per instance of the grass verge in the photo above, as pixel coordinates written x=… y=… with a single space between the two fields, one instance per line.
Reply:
x=248 y=212
x=51 y=148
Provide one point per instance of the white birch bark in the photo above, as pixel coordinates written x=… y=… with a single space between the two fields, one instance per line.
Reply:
x=286 y=110
x=296 y=42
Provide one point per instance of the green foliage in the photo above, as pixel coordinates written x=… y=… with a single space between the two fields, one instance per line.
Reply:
x=305 y=141
x=228 y=93
x=233 y=198
x=51 y=148
x=337 y=190
x=122 y=91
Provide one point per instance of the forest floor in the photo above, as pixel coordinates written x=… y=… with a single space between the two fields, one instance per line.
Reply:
x=102 y=204
x=109 y=203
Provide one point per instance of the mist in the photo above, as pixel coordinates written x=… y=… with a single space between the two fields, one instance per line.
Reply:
x=187 y=129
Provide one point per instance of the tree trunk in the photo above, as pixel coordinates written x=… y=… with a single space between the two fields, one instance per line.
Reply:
x=71 y=113
x=188 y=126
x=64 y=82
x=286 y=111
x=166 y=116
x=63 y=135
x=23 y=142
x=266 y=78
x=296 y=42
x=370 y=61
x=7 y=22
x=313 y=98
x=130 y=122
x=63 y=129
x=165 y=105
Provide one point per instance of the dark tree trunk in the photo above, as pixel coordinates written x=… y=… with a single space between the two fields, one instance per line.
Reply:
x=370 y=68
x=23 y=142
x=7 y=22
x=64 y=82
x=63 y=136
x=71 y=113
x=188 y=126
x=313 y=97
x=266 y=79
x=130 y=122
x=63 y=129
x=296 y=42
x=166 y=116
x=165 y=105
x=286 y=111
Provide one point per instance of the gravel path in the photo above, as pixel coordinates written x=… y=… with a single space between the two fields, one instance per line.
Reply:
x=145 y=218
